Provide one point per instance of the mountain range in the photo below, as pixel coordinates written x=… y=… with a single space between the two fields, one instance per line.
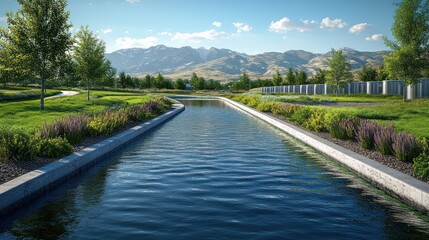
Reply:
x=226 y=65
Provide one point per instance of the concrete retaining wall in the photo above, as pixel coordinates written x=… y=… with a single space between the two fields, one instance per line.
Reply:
x=27 y=187
x=397 y=184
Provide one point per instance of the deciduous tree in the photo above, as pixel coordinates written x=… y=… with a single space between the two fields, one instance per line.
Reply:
x=339 y=70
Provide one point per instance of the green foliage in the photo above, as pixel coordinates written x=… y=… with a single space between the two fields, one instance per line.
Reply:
x=198 y=83
x=265 y=106
x=277 y=79
x=421 y=166
x=107 y=123
x=39 y=37
x=16 y=144
x=319 y=78
x=367 y=74
x=125 y=80
x=332 y=118
x=301 y=77
x=88 y=55
x=411 y=46
x=180 y=84
x=53 y=147
x=316 y=121
x=290 y=77
x=301 y=115
x=339 y=70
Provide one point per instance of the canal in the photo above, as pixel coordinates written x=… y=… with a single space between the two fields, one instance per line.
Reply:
x=214 y=172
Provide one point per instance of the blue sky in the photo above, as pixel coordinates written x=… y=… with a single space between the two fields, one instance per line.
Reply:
x=252 y=26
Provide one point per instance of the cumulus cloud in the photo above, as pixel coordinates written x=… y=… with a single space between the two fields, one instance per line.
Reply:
x=375 y=37
x=242 y=27
x=217 y=24
x=359 y=27
x=332 y=24
x=126 y=42
x=285 y=24
x=133 y=1
x=198 y=36
x=107 y=30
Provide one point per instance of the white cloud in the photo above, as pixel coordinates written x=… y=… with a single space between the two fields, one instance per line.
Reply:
x=107 y=30
x=285 y=25
x=198 y=36
x=242 y=27
x=217 y=24
x=375 y=37
x=126 y=42
x=133 y=1
x=165 y=34
x=359 y=27
x=331 y=24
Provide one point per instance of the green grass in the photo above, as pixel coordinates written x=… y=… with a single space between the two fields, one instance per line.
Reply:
x=26 y=113
x=411 y=116
x=361 y=98
x=19 y=94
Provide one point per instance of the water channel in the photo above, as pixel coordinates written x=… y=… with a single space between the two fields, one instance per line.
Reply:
x=214 y=172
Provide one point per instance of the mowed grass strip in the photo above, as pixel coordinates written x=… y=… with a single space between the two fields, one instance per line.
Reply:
x=26 y=114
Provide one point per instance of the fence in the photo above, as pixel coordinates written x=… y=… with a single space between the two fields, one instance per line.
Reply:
x=387 y=87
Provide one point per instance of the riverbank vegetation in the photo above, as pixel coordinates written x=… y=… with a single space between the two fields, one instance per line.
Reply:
x=398 y=129
x=54 y=138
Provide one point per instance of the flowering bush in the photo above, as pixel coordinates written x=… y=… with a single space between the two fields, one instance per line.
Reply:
x=406 y=147
x=383 y=139
x=15 y=144
x=365 y=133
x=53 y=147
x=345 y=128
x=72 y=128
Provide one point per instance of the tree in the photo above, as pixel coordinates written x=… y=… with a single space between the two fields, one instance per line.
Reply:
x=125 y=80
x=301 y=77
x=148 y=82
x=382 y=74
x=410 y=51
x=180 y=84
x=244 y=82
x=39 y=35
x=159 y=81
x=290 y=77
x=198 y=83
x=88 y=55
x=109 y=73
x=339 y=70
x=320 y=77
x=367 y=74
x=277 y=79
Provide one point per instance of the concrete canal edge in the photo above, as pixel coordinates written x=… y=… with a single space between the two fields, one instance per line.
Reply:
x=406 y=188
x=27 y=187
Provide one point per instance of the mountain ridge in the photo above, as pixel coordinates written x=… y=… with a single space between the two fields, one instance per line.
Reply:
x=225 y=64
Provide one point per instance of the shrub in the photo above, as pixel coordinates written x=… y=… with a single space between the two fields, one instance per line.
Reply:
x=278 y=108
x=316 y=121
x=290 y=110
x=265 y=106
x=421 y=166
x=301 y=115
x=107 y=123
x=383 y=139
x=406 y=147
x=72 y=128
x=332 y=118
x=345 y=128
x=15 y=144
x=53 y=147
x=365 y=133
x=251 y=101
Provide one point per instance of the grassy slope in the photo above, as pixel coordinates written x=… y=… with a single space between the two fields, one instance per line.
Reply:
x=26 y=113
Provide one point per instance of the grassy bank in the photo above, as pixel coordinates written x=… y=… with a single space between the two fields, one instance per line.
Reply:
x=18 y=94
x=26 y=114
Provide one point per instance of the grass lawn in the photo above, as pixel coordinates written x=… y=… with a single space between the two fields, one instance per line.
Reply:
x=26 y=113
x=18 y=94
x=412 y=116
x=362 y=98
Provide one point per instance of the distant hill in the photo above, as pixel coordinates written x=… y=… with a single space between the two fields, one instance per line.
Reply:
x=225 y=64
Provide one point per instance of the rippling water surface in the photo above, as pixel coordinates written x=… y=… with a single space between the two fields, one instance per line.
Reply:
x=214 y=173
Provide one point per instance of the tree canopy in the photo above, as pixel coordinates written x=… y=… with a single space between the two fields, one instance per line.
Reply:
x=339 y=70
x=39 y=38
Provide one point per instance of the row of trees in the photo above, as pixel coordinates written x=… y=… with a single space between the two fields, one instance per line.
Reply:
x=37 y=44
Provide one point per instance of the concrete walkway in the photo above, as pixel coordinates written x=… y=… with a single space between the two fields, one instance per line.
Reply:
x=64 y=94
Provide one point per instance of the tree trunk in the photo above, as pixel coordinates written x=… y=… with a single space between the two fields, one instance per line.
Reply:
x=87 y=86
x=42 y=96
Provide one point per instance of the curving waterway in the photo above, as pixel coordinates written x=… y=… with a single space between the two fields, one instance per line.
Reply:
x=214 y=173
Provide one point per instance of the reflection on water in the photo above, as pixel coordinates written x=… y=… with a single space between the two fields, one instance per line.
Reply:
x=213 y=172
